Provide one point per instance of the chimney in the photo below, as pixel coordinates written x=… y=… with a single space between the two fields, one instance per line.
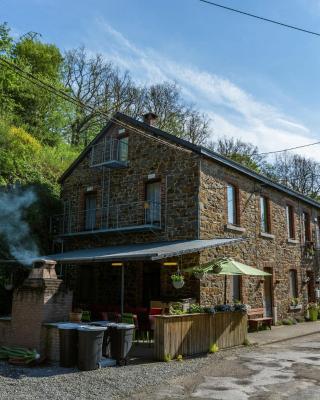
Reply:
x=150 y=118
x=43 y=269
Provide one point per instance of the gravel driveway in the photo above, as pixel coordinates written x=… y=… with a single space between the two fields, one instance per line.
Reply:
x=285 y=370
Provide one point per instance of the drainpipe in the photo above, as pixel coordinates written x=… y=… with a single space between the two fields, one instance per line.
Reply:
x=198 y=200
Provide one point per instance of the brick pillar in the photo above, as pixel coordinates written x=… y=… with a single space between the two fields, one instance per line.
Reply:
x=41 y=298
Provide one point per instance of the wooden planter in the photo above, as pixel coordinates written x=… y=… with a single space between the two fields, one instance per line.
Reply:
x=191 y=334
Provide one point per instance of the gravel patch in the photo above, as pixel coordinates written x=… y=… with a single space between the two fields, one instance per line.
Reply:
x=53 y=382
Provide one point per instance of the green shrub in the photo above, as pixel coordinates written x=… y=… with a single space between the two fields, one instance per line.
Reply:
x=213 y=348
x=167 y=358
x=286 y=321
x=246 y=342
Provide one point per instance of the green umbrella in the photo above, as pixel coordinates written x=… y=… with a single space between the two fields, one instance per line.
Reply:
x=228 y=266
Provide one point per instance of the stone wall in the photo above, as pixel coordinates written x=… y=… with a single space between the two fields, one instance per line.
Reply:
x=175 y=167
x=275 y=251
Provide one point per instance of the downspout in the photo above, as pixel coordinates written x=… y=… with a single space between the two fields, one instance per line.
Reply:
x=198 y=200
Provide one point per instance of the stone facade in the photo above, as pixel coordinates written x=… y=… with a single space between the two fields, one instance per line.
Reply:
x=274 y=251
x=193 y=206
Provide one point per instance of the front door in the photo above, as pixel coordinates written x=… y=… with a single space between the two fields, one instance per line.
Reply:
x=151 y=284
x=267 y=297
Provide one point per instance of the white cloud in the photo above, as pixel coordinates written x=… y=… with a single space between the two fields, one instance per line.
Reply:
x=234 y=112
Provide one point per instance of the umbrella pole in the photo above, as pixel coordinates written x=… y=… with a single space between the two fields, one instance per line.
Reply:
x=225 y=289
x=122 y=289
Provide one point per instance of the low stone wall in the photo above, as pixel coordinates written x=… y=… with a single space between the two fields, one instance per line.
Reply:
x=5 y=331
x=191 y=334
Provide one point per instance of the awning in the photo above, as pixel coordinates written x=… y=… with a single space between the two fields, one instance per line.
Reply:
x=141 y=251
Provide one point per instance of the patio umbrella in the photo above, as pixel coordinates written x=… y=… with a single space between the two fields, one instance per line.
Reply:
x=228 y=266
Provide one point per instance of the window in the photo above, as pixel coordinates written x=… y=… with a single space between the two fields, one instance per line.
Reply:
x=290 y=221
x=232 y=205
x=293 y=283
x=306 y=232
x=123 y=149
x=265 y=218
x=153 y=202
x=90 y=212
x=236 y=285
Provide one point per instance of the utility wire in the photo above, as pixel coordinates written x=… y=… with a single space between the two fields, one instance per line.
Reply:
x=290 y=148
x=261 y=18
x=65 y=96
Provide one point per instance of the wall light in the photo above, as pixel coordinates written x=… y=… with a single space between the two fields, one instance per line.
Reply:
x=117 y=264
x=170 y=264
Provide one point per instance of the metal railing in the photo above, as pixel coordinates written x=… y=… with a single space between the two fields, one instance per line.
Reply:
x=129 y=216
x=109 y=151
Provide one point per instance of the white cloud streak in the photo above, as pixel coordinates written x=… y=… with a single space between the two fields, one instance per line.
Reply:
x=233 y=111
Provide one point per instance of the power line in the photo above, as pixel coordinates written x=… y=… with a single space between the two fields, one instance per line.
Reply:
x=290 y=148
x=65 y=96
x=261 y=18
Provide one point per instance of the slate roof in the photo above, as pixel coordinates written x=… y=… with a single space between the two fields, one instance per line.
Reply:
x=196 y=149
x=141 y=251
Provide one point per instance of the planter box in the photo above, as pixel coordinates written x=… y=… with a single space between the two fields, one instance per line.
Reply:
x=297 y=307
x=191 y=334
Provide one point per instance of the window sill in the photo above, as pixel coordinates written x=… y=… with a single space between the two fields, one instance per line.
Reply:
x=292 y=241
x=267 y=235
x=234 y=228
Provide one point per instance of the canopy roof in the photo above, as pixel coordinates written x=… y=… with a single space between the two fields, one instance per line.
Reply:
x=141 y=251
x=228 y=266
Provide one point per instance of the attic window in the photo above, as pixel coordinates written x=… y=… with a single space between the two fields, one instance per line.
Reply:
x=121 y=131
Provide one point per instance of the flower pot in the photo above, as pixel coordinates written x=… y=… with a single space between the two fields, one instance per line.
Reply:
x=75 y=316
x=313 y=314
x=8 y=286
x=178 y=284
x=199 y=275
x=295 y=307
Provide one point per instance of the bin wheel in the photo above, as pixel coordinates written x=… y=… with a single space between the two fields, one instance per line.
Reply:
x=122 y=362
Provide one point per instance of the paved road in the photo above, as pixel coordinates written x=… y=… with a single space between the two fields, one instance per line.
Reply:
x=286 y=370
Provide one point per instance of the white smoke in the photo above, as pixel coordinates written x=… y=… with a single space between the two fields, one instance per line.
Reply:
x=14 y=229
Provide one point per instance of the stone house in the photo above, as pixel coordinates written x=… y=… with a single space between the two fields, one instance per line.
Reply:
x=144 y=197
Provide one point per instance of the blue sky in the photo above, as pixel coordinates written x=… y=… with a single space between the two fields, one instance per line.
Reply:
x=257 y=81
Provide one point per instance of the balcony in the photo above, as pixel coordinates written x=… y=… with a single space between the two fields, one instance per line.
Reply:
x=111 y=153
x=129 y=217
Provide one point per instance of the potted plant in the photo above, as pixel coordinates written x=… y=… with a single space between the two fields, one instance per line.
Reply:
x=177 y=280
x=76 y=315
x=198 y=272
x=313 y=311
x=295 y=304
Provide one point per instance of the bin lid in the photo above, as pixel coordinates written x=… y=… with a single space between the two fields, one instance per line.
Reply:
x=68 y=325
x=124 y=326
x=92 y=328
x=102 y=323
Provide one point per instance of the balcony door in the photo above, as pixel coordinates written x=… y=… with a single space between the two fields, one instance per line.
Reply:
x=90 y=212
x=153 y=202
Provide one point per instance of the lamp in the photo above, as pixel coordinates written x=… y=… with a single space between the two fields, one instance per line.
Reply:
x=170 y=264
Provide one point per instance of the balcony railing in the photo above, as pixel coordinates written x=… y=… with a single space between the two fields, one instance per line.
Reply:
x=134 y=216
x=112 y=153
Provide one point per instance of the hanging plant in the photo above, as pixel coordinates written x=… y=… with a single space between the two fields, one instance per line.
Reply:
x=177 y=280
x=199 y=272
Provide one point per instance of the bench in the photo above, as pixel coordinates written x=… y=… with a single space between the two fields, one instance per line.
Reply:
x=256 y=318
